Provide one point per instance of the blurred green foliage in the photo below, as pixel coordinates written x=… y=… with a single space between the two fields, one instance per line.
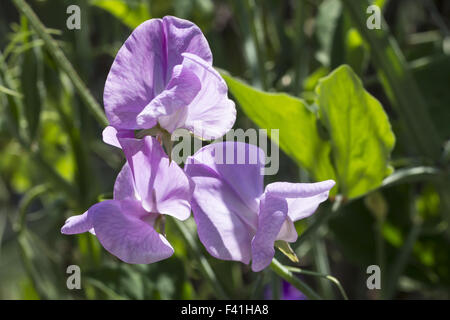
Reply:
x=335 y=122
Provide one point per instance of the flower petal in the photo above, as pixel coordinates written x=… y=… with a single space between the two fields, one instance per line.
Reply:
x=77 y=224
x=161 y=185
x=210 y=114
x=121 y=230
x=288 y=232
x=238 y=164
x=111 y=134
x=272 y=215
x=124 y=187
x=184 y=36
x=302 y=198
x=137 y=75
x=143 y=67
x=225 y=223
x=180 y=91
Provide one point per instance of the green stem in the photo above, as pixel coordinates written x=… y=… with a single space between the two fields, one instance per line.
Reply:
x=287 y=275
x=401 y=261
x=322 y=265
x=398 y=81
x=28 y=198
x=61 y=60
x=380 y=248
x=320 y=275
x=320 y=220
x=205 y=267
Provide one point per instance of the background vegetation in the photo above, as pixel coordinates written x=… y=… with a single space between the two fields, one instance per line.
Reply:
x=53 y=163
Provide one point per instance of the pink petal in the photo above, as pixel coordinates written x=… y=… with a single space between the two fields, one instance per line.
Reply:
x=225 y=223
x=137 y=75
x=124 y=187
x=272 y=215
x=77 y=224
x=184 y=36
x=111 y=134
x=210 y=114
x=238 y=164
x=162 y=187
x=181 y=90
x=121 y=230
x=302 y=198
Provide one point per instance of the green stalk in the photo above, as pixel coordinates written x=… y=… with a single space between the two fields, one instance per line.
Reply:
x=321 y=219
x=323 y=266
x=287 y=275
x=32 y=194
x=205 y=267
x=62 y=62
x=380 y=248
x=321 y=275
x=301 y=48
x=401 y=261
x=398 y=81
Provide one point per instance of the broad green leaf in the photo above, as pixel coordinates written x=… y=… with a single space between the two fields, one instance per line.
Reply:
x=360 y=132
x=131 y=15
x=298 y=125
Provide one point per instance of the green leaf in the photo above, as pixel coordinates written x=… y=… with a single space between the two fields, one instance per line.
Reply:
x=298 y=125
x=131 y=15
x=360 y=132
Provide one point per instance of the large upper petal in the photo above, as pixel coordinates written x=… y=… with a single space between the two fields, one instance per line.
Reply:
x=160 y=185
x=184 y=36
x=210 y=114
x=182 y=88
x=143 y=68
x=225 y=224
x=272 y=215
x=137 y=75
x=121 y=229
x=302 y=198
x=226 y=197
x=238 y=164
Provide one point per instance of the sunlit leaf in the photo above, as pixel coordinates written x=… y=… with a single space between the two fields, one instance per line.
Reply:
x=131 y=15
x=298 y=125
x=360 y=132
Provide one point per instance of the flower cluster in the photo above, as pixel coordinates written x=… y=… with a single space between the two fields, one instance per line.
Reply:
x=162 y=77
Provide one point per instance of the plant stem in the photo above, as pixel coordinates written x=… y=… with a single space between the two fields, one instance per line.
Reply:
x=402 y=260
x=398 y=81
x=60 y=59
x=25 y=202
x=321 y=275
x=320 y=220
x=322 y=265
x=287 y=275
x=205 y=267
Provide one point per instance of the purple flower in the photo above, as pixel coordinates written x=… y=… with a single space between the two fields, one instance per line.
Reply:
x=238 y=220
x=163 y=75
x=288 y=292
x=147 y=187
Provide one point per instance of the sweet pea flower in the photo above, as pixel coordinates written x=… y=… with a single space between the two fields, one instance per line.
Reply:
x=163 y=75
x=238 y=220
x=147 y=188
